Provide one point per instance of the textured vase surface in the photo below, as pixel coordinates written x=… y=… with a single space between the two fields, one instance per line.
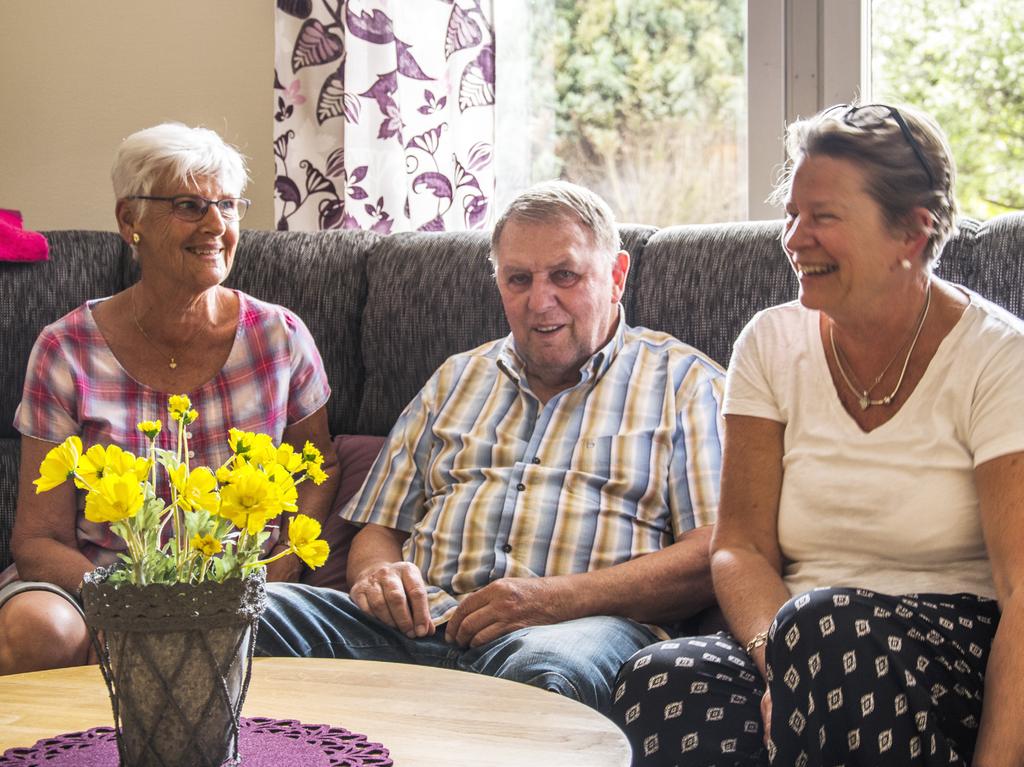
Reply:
x=176 y=659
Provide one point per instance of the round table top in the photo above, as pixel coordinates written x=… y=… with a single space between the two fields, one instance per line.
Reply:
x=423 y=715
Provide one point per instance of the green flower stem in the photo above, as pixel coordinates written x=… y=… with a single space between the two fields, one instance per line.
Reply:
x=204 y=568
x=180 y=531
x=268 y=560
x=137 y=550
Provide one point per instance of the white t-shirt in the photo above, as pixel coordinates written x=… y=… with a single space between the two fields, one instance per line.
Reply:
x=894 y=510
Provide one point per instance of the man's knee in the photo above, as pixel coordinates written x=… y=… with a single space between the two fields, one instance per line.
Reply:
x=41 y=630
x=578 y=659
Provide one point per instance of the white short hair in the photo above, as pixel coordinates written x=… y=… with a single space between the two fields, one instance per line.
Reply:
x=560 y=200
x=173 y=151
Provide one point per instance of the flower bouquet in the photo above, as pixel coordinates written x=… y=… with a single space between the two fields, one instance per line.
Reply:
x=174 y=621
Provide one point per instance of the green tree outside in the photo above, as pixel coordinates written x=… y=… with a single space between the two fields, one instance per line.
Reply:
x=649 y=100
x=963 y=62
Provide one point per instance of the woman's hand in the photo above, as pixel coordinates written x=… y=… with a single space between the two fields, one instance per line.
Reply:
x=766 y=715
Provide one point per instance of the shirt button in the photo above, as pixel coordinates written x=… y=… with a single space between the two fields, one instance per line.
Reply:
x=507 y=548
x=520 y=487
x=191 y=453
x=536 y=460
x=188 y=435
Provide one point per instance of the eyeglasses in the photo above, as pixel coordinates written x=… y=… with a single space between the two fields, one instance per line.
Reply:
x=870 y=116
x=193 y=207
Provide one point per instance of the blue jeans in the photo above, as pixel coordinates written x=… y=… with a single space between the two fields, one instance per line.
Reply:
x=578 y=658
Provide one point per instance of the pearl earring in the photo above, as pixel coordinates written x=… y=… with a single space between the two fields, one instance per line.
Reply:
x=905 y=263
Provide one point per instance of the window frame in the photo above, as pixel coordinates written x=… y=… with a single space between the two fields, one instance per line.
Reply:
x=802 y=55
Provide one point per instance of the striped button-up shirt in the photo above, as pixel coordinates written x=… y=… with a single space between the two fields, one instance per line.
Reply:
x=490 y=483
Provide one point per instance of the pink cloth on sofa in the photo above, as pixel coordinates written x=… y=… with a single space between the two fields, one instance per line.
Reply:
x=18 y=245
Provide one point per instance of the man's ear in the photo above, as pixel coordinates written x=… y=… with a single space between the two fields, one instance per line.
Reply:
x=620 y=270
x=125 y=213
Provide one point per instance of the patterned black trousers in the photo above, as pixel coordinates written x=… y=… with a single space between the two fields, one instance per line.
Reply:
x=856 y=678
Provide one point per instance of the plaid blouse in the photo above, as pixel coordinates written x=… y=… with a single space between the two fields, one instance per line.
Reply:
x=490 y=483
x=74 y=384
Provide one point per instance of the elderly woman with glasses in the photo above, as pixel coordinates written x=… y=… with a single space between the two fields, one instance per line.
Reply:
x=111 y=363
x=867 y=554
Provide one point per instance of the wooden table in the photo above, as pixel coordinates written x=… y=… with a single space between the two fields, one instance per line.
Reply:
x=424 y=716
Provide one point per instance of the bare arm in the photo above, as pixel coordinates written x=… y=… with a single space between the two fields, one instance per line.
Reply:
x=314 y=500
x=663 y=586
x=385 y=586
x=1000 y=484
x=746 y=564
x=44 y=543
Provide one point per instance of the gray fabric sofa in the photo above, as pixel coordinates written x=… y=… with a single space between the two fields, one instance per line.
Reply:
x=387 y=310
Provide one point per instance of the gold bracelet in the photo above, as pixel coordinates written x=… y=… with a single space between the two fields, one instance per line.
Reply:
x=760 y=639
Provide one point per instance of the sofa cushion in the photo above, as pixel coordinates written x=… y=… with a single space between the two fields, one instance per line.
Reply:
x=356 y=454
x=703 y=283
x=429 y=295
x=10 y=451
x=82 y=265
x=986 y=257
x=322 y=278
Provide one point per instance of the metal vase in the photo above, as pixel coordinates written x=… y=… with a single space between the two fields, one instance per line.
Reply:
x=176 y=659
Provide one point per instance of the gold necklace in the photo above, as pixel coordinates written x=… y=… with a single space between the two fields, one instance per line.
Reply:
x=863 y=396
x=172 y=364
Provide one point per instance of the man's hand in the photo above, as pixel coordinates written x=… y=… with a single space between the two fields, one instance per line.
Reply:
x=506 y=605
x=394 y=593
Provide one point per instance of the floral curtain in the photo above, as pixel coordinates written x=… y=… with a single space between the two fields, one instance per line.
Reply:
x=384 y=114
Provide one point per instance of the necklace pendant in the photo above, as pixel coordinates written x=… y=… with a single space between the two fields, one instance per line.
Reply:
x=172 y=364
x=863 y=401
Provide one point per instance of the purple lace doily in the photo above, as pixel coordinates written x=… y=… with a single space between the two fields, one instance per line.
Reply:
x=261 y=743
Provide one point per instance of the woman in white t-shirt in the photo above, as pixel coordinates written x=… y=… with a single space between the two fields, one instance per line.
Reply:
x=872 y=497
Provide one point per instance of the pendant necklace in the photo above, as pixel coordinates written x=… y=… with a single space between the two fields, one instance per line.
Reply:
x=172 y=363
x=863 y=395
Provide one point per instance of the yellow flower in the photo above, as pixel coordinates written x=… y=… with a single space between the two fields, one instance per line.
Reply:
x=115 y=497
x=206 y=545
x=315 y=473
x=313 y=462
x=149 y=428
x=287 y=493
x=223 y=475
x=59 y=464
x=288 y=459
x=99 y=460
x=250 y=500
x=197 y=489
x=252 y=447
x=178 y=405
x=311 y=455
x=304 y=539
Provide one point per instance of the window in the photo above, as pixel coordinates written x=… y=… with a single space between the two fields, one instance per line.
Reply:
x=643 y=101
x=675 y=110
x=962 y=61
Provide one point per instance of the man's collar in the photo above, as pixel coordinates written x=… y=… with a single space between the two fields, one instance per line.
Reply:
x=592 y=369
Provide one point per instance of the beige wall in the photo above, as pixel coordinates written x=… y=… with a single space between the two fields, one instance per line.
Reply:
x=77 y=76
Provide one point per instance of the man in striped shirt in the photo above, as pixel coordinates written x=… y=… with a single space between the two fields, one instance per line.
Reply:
x=542 y=508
